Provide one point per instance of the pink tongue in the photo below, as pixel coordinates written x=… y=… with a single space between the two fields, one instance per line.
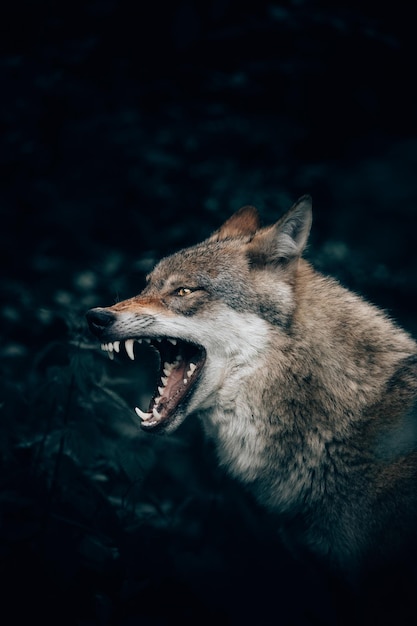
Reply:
x=173 y=390
x=175 y=380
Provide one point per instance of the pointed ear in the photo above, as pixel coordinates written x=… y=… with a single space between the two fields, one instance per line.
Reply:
x=244 y=223
x=286 y=239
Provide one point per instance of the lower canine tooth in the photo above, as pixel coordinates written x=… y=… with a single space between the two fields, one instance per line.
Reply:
x=129 y=348
x=142 y=415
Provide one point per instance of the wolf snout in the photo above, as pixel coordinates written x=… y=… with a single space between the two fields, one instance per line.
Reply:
x=99 y=320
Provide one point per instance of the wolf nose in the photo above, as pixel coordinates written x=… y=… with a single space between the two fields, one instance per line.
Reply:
x=99 y=319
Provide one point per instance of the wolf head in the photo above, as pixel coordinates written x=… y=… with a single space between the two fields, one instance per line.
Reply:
x=209 y=311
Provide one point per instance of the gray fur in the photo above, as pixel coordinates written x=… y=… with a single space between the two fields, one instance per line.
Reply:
x=308 y=391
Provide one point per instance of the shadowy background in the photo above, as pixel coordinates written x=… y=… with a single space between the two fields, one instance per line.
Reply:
x=130 y=130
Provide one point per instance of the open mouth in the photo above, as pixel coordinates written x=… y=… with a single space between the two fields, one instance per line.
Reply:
x=180 y=366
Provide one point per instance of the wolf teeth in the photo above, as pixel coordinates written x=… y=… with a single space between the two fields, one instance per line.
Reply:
x=192 y=369
x=129 y=348
x=147 y=416
x=109 y=347
x=142 y=415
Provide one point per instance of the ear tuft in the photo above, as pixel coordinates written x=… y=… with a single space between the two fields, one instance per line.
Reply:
x=244 y=223
x=294 y=228
x=286 y=239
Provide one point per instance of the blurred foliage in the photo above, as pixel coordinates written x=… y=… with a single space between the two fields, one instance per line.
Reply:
x=125 y=137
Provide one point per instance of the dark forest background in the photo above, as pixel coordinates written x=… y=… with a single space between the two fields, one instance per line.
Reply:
x=130 y=130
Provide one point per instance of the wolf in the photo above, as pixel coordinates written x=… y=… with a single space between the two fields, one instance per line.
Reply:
x=308 y=391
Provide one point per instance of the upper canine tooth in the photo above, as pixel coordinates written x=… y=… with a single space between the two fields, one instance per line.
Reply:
x=129 y=348
x=116 y=346
x=173 y=341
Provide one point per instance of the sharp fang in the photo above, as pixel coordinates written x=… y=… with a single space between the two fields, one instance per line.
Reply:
x=129 y=348
x=116 y=346
x=111 y=355
x=164 y=380
x=156 y=414
x=142 y=415
x=173 y=341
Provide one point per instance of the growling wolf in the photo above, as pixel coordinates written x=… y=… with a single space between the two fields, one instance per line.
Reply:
x=308 y=391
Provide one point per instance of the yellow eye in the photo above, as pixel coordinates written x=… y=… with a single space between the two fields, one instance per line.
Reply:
x=183 y=291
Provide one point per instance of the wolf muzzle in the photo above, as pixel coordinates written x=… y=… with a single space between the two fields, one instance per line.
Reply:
x=99 y=320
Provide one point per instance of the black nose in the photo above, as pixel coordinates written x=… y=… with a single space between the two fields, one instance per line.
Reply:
x=99 y=319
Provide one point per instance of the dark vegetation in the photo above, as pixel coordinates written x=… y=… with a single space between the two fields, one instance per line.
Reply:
x=128 y=134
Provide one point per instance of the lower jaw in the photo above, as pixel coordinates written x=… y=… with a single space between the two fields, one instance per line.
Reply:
x=164 y=426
